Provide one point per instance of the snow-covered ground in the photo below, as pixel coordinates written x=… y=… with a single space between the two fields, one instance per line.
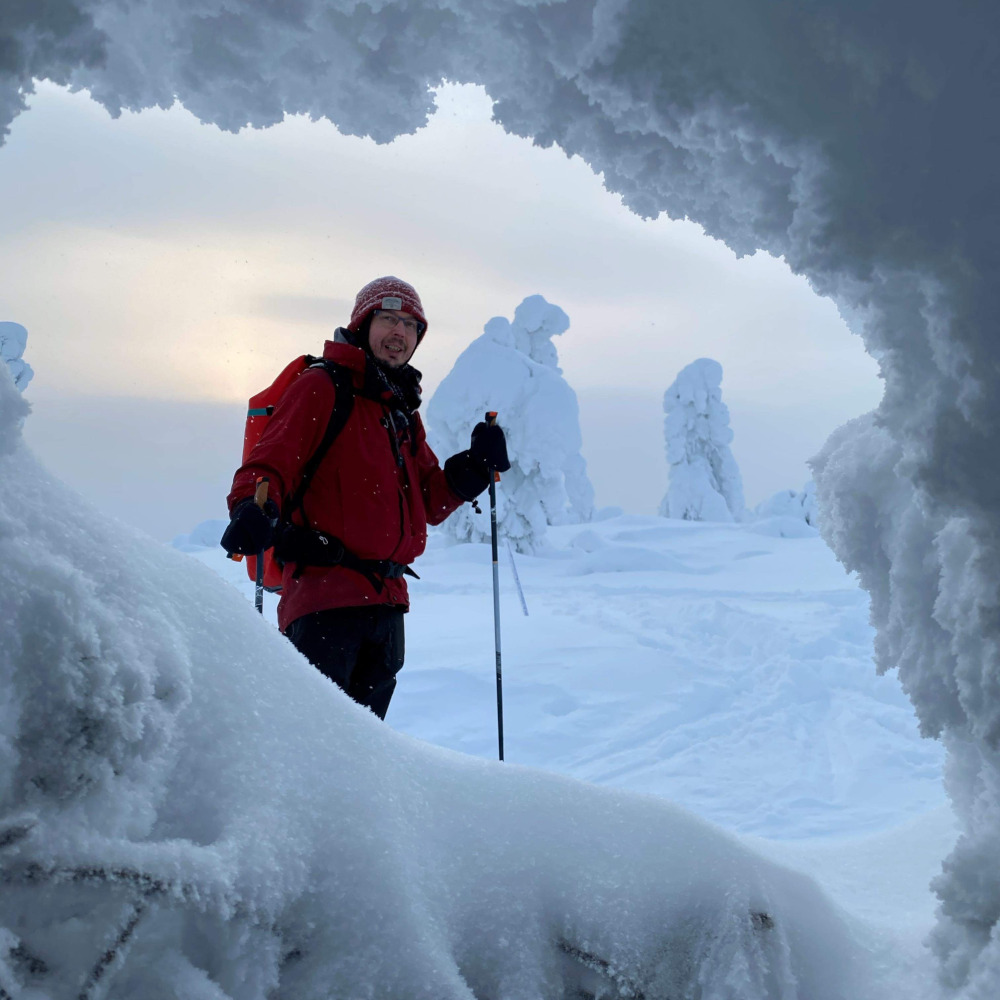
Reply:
x=724 y=667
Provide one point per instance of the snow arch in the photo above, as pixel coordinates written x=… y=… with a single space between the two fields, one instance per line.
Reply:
x=855 y=139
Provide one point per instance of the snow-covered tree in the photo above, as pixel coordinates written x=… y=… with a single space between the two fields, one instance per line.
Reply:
x=705 y=482
x=13 y=340
x=13 y=409
x=513 y=369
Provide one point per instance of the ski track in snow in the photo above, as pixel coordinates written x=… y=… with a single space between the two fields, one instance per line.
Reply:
x=739 y=684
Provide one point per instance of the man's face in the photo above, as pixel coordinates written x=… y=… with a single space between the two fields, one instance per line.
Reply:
x=392 y=336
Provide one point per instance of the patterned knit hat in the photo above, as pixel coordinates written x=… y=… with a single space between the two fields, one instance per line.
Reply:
x=386 y=293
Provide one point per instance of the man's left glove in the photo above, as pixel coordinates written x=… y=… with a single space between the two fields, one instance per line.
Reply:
x=490 y=446
x=251 y=529
x=469 y=472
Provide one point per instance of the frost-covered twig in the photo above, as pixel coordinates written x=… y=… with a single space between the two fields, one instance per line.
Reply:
x=624 y=986
x=93 y=874
x=627 y=989
x=143 y=887
x=117 y=949
x=16 y=830
x=147 y=884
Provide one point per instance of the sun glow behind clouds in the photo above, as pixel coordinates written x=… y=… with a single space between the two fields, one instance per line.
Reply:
x=195 y=260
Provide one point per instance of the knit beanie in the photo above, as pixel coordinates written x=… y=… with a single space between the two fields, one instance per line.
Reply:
x=386 y=293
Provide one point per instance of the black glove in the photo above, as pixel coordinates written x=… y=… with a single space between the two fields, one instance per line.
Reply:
x=489 y=446
x=469 y=472
x=251 y=529
x=466 y=476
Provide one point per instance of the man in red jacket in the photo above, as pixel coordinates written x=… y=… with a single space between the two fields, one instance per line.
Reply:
x=363 y=517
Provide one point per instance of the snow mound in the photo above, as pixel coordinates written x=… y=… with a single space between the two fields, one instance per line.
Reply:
x=783 y=526
x=789 y=503
x=513 y=369
x=705 y=482
x=187 y=808
x=604 y=557
x=205 y=535
x=624 y=559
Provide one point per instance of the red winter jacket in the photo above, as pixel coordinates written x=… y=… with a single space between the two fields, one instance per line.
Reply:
x=358 y=494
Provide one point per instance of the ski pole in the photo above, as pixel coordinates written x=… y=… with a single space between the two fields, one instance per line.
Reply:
x=491 y=419
x=260 y=498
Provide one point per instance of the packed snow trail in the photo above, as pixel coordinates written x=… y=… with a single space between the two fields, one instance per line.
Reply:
x=727 y=669
x=178 y=779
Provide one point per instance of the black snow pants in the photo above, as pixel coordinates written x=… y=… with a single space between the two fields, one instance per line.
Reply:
x=359 y=649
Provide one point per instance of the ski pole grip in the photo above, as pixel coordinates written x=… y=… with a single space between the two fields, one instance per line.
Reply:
x=491 y=420
x=260 y=494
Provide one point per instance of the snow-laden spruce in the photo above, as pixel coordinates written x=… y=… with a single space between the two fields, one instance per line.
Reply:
x=13 y=340
x=863 y=156
x=705 y=482
x=188 y=808
x=513 y=368
x=13 y=409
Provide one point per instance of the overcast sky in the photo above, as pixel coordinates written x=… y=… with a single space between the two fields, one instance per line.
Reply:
x=166 y=270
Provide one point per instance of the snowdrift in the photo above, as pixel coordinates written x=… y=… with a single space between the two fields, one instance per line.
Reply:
x=188 y=809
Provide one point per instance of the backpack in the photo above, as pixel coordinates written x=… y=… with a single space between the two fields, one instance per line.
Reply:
x=259 y=411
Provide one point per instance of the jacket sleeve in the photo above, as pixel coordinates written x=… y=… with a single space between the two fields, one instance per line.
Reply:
x=439 y=499
x=293 y=434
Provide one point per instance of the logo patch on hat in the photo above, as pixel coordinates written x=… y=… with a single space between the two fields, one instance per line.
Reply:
x=392 y=302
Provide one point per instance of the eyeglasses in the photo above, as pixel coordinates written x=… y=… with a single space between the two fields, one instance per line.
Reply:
x=389 y=320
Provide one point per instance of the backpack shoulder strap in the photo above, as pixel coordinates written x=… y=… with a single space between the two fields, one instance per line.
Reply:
x=343 y=404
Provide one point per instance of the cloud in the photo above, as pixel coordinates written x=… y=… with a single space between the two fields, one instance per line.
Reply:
x=313 y=309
